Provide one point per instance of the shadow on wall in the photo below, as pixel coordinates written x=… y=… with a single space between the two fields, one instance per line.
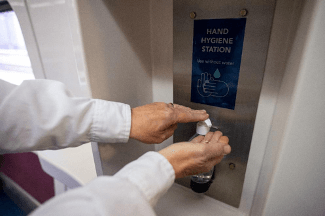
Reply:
x=116 y=38
x=133 y=19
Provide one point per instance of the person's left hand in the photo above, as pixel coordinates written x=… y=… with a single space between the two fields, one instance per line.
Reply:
x=155 y=122
x=197 y=156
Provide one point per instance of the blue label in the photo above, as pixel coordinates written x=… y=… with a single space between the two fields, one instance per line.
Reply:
x=217 y=51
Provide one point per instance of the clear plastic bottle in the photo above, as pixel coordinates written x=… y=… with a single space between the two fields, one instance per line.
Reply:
x=200 y=183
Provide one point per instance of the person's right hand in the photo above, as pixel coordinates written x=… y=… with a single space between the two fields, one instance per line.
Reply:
x=155 y=122
x=197 y=156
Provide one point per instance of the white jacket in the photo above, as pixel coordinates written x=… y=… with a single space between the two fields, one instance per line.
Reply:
x=41 y=114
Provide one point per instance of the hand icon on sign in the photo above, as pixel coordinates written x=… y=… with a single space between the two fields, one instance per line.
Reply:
x=207 y=86
x=205 y=77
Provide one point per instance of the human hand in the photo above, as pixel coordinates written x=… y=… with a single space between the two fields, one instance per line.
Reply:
x=197 y=156
x=155 y=122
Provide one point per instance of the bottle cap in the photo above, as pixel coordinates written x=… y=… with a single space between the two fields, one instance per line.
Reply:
x=203 y=127
x=200 y=187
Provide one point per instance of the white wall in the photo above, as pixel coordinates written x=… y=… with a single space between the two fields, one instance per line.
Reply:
x=297 y=186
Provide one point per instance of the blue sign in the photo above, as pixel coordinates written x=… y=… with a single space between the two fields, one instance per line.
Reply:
x=217 y=51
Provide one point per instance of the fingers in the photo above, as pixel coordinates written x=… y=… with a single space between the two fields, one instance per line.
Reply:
x=218 y=144
x=197 y=139
x=227 y=149
x=224 y=139
x=216 y=136
x=184 y=114
x=208 y=137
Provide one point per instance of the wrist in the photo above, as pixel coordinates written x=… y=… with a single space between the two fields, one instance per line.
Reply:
x=157 y=175
x=176 y=160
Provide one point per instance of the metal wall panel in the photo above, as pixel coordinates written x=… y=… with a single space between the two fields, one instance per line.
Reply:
x=237 y=124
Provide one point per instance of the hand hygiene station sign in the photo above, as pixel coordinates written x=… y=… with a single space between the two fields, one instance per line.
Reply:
x=217 y=51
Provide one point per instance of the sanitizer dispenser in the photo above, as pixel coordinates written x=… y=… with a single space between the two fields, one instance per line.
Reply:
x=219 y=51
x=200 y=183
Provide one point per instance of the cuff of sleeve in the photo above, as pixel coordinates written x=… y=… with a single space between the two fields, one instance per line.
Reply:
x=111 y=122
x=151 y=173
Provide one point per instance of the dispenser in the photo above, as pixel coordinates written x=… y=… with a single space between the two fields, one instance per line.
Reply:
x=219 y=59
x=200 y=183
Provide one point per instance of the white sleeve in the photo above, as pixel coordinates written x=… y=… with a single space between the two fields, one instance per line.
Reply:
x=42 y=114
x=134 y=190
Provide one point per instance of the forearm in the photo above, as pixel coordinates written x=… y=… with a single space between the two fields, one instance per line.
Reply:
x=134 y=190
x=41 y=114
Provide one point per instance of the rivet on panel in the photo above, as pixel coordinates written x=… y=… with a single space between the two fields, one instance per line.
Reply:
x=192 y=15
x=243 y=12
x=232 y=166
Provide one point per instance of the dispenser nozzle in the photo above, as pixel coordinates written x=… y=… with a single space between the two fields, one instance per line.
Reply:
x=203 y=127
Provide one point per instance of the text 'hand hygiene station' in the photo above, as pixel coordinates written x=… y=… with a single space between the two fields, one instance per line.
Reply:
x=214 y=40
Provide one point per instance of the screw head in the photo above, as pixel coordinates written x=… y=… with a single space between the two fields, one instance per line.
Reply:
x=243 y=12
x=192 y=15
x=232 y=166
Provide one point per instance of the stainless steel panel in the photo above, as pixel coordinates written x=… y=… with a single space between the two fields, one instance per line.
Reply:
x=237 y=124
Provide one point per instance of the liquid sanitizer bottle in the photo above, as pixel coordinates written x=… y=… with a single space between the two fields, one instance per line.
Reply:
x=200 y=183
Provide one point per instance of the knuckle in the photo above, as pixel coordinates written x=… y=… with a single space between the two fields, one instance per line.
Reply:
x=164 y=106
x=162 y=138
x=160 y=104
x=168 y=112
x=170 y=115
